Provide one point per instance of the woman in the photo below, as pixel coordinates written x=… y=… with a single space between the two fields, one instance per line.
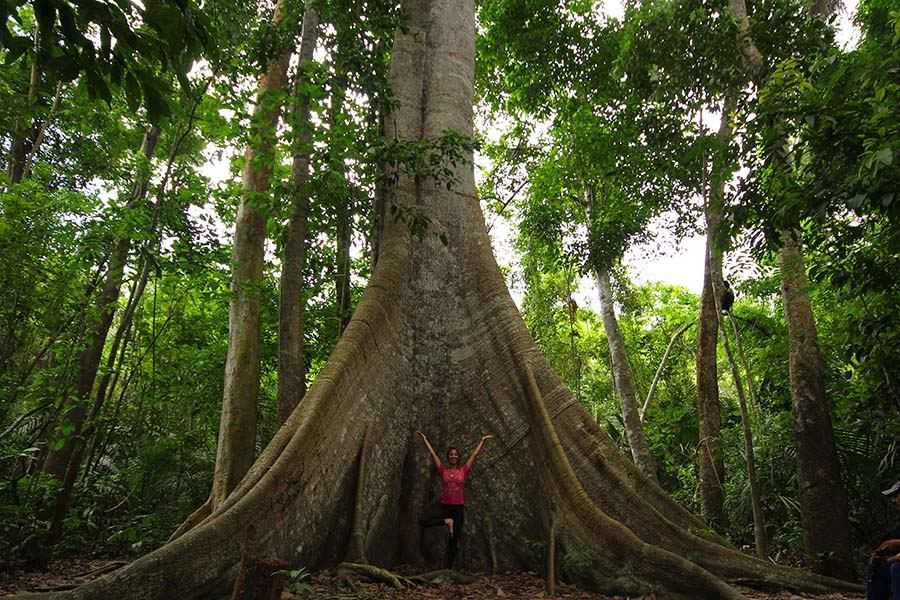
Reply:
x=450 y=510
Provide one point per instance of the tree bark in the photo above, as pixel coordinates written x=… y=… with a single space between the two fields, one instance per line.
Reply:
x=751 y=386
x=621 y=369
x=62 y=444
x=21 y=145
x=343 y=213
x=342 y=272
x=634 y=429
x=39 y=138
x=759 y=528
x=379 y=209
x=292 y=302
x=662 y=364
x=237 y=429
x=437 y=343
x=572 y=311
x=712 y=464
x=823 y=502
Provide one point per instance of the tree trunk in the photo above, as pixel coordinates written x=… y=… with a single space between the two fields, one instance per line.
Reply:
x=634 y=429
x=823 y=502
x=437 y=343
x=291 y=358
x=662 y=364
x=342 y=271
x=343 y=211
x=39 y=138
x=572 y=311
x=64 y=497
x=237 y=428
x=751 y=386
x=21 y=144
x=621 y=369
x=381 y=201
x=712 y=464
x=68 y=432
x=759 y=528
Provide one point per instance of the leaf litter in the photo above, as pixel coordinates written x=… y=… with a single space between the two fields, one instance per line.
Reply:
x=328 y=585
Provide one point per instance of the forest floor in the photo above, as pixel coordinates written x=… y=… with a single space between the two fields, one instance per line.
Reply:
x=67 y=573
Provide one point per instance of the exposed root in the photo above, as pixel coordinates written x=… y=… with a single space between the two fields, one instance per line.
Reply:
x=376 y=517
x=194 y=519
x=375 y=573
x=356 y=549
x=614 y=547
x=443 y=576
x=550 y=571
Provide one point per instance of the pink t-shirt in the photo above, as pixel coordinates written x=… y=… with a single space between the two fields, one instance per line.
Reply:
x=453 y=479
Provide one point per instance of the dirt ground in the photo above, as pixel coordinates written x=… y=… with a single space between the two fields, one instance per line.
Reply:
x=67 y=573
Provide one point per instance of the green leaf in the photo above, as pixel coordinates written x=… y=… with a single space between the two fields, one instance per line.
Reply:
x=132 y=92
x=16 y=47
x=97 y=86
x=157 y=107
x=45 y=13
x=885 y=156
x=69 y=27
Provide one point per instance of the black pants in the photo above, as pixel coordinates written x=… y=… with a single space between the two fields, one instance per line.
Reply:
x=435 y=514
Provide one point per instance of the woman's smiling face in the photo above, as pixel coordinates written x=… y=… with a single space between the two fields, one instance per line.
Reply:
x=453 y=456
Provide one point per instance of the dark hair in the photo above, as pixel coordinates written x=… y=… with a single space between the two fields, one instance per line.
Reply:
x=452 y=448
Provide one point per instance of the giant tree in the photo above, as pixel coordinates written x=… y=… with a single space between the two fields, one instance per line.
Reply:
x=437 y=343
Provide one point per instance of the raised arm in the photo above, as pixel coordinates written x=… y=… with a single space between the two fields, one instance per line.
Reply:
x=434 y=456
x=477 y=449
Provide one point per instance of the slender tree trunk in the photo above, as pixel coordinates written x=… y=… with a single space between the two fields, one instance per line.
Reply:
x=759 y=527
x=634 y=429
x=291 y=358
x=342 y=273
x=662 y=364
x=21 y=145
x=39 y=138
x=621 y=370
x=823 y=502
x=237 y=430
x=572 y=311
x=67 y=434
x=712 y=462
x=381 y=200
x=121 y=334
x=437 y=342
x=751 y=386
x=343 y=212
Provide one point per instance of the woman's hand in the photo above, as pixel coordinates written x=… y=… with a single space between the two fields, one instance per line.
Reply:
x=434 y=456
x=477 y=449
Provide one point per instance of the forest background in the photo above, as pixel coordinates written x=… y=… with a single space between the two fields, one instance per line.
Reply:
x=116 y=252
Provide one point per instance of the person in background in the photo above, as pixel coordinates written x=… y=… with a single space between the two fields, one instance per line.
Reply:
x=883 y=570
